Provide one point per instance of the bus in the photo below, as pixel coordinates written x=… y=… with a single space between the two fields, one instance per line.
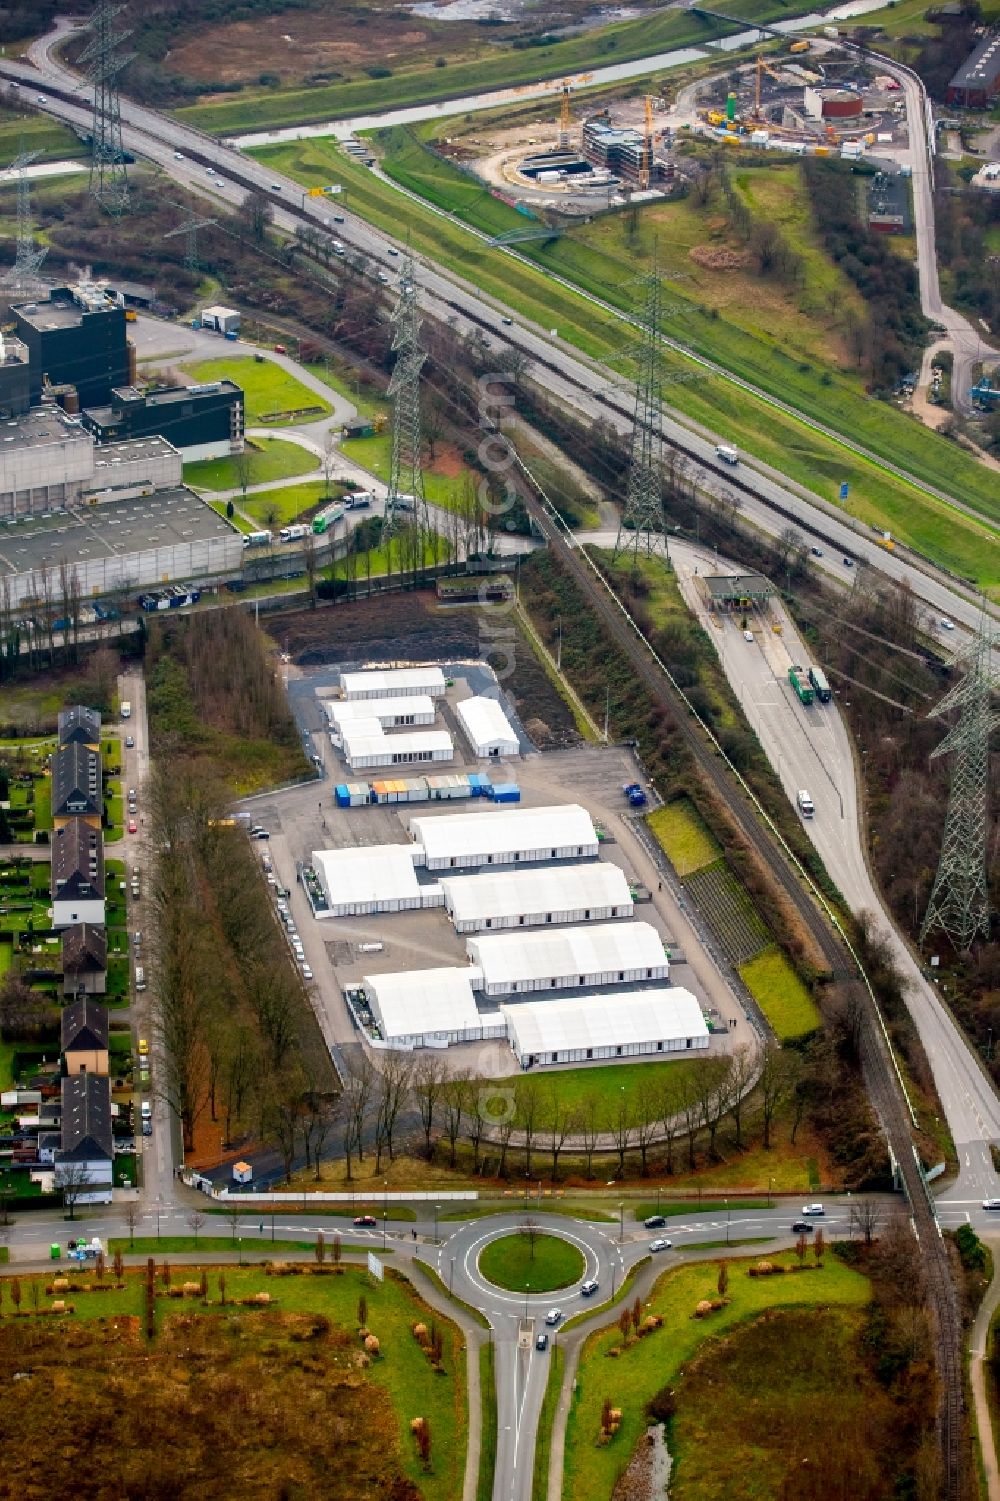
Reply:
x=257 y=539
x=818 y=679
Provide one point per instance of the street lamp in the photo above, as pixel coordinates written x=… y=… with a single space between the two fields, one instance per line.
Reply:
x=621 y=1220
x=770 y=1186
x=385 y=1208
x=451 y=1276
x=727 y=1222
x=527 y=1289
x=159 y=1201
x=437 y=1209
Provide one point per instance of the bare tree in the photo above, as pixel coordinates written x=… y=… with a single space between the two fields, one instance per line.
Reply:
x=622 y=1125
x=131 y=1220
x=646 y=1119
x=73 y=1179
x=359 y=1082
x=245 y=465
x=669 y=1107
x=528 y=1101
x=429 y=1076
x=865 y=1219
x=741 y=1072
x=529 y=1229
x=395 y=1073
x=311 y=566
x=590 y=1128
x=195 y=1221
x=257 y=215
x=774 y=1084
x=560 y=1123
x=456 y=1101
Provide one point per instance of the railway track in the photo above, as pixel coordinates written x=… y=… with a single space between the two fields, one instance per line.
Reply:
x=881 y=1076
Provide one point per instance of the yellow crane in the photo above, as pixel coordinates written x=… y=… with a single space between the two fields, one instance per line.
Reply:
x=761 y=69
x=645 y=171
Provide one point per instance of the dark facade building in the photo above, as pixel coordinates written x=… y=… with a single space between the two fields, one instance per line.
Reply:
x=75 y=337
x=87 y=1139
x=77 y=790
x=80 y=726
x=976 y=85
x=15 y=378
x=77 y=875
x=85 y=963
x=203 y=422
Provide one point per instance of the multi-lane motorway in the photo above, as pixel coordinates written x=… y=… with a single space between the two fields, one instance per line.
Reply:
x=767 y=498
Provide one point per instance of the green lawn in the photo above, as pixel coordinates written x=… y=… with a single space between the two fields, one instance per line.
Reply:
x=402 y=1368
x=651 y=1363
x=543 y=1263
x=573 y=1087
x=680 y=832
x=50 y=141
x=931 y=526
x=674 y=1207
x=267 y=390
x=375 y=455
x=543 y=1440
x=499 y=67
x=275 y=508
x=488 y=1411
x=175 y=1245
x=781 y=995
x=271 y=459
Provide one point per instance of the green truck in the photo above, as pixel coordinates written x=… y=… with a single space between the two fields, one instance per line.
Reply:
x=800 y=682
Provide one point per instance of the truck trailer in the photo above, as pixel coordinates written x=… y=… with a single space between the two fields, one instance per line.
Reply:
x=818 y=679
x=799 y=680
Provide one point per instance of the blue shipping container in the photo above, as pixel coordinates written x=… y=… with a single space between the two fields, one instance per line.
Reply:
x=508 y=792
x=343 y=796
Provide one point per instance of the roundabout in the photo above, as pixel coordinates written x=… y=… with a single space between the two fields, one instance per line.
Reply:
x=531 y=1259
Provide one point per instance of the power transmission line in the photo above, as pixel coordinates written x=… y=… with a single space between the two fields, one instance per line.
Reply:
x=22 y=279
x=642 y=517
x=406 y=474
x=190 y=229
x=959 y=904
x=108 y=177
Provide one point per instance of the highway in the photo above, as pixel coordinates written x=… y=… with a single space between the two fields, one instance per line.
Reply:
x=767 y=498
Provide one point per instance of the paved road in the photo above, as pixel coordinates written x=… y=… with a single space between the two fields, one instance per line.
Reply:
x=585 y=387
x=810 y=748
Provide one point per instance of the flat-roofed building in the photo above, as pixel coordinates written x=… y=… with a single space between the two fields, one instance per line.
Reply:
x=201 y=422
x=372 y=878
x=537 y=897
x=75 y=336
x=596 y=1028
x=502 y=836
x=487 y=728
x=390 y=713
x=429 y=1008
x=393 y=682
x=568 y=958
x=366 y=745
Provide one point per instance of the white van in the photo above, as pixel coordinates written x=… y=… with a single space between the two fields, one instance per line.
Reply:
x=140 y=977
x=805 y=803
x=727 y=452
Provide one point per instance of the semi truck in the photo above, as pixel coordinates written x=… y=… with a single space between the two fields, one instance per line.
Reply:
x=799 y=680
x=257 y=539
x=818 y=679
x=294 y=533
x=328 y=517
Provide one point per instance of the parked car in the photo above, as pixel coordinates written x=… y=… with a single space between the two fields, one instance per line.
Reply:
x=542 y=1342
x=366 y=1221
x=660 y=1245
x=655 y=1221
x=147 y=1128
x=130 y=742
x=307 y=973
x=133 y=827
x=143 y=1047
x=748 y=635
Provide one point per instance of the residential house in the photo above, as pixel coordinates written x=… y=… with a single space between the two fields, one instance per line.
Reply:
x=76 y=786
x=79 y=725
x=85 y=960
x=87 y=1143
x=77 y=875
x=85 y=1037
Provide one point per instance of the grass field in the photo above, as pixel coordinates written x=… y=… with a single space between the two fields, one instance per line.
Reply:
x=445 y=476
x=177 y=1245
x=781 y=995
x=673 y=1208
x=573 y=1087
x=488 y=1434
x=283 y=1361
x=931 y=526
x=271 y=459
x=652 y=1363
x=267 y=389
x=279 y=507
x=496 y=68
x=543 y=1439
x=50 y=141
x=680 y=832
x=543 y=1263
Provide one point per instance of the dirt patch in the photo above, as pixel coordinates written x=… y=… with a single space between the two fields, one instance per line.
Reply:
x=720 y=258
x=447 y=461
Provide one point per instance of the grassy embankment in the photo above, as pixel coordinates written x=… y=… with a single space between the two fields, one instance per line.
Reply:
x=781 y=995
x=652 y=1363
x=495 y=68
x=807 y=457
x=50 y=141
x=301 y=1350
x=271 y=459
x=271 y=395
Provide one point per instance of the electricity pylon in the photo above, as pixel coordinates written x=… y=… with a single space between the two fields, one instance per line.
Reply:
x=959 y=904
x=642 y=518
x=22 y=278
x=108 y=177
x=190 y=229
x=406 y=474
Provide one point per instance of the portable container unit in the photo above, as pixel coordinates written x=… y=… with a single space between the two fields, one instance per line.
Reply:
x=342 y=795
x=367 y=745
x=390 y=713
x=453 y=841
x=587 y=1029
x=353 y=794
x=416 y=789
x=479 y=784
x=446 y=786
x=568 y=958
x=597 y=892
x=507 y=792
x=487 y=728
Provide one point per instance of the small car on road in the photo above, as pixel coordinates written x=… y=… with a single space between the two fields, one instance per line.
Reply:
x=655 y=1221
x=801 y=1227
x=946 y=624
x=748 y=635
x=589 y=1288
x=813 y=1209
x=133 y=827
x=365 y=1221
x=553 y=1316
x=660 y=1245
x=130 y=742
x=542 y=1342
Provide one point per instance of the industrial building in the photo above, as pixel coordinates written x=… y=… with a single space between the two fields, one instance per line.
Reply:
x=737 y=591
x=429 y=1008
x=487 y=728
x=136 y=467
x=450 y=841
x=366 y=745
x=123 y=544
x=568 y=958
x=75 y=337
x=832 y=104
x=976 y=85
x=15 y=378
x=390 y=713
x=535 y=898
x=592 y=1028
x=202 y=422
x=223 y=320
x=625 y=153
x=394 y=682
x=377 y=878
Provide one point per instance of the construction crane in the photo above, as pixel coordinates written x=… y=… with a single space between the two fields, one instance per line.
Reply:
x=564 y=119
x=761 y=68
x=645 y=171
